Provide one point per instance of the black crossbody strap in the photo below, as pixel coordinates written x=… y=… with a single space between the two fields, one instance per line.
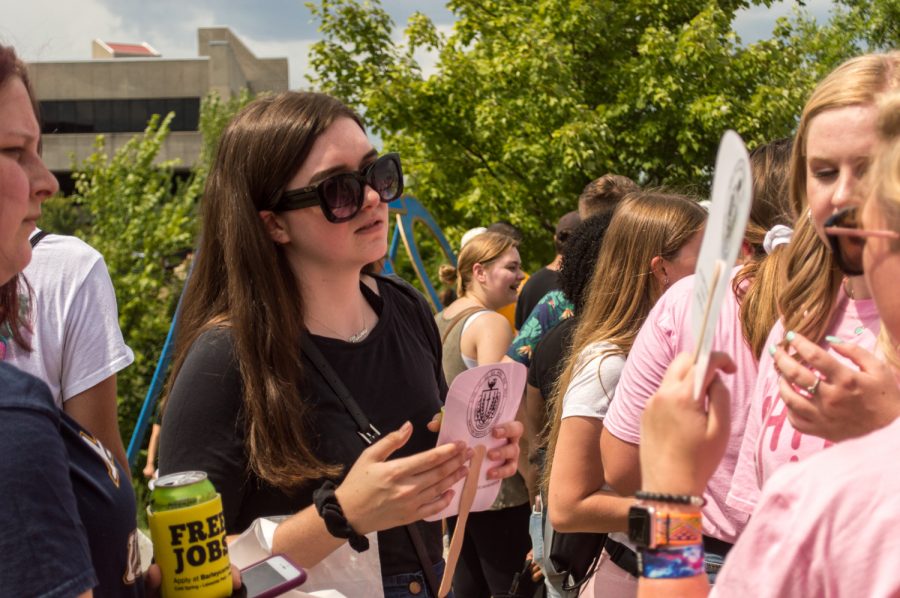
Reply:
x=369 y=435
x=366 y=431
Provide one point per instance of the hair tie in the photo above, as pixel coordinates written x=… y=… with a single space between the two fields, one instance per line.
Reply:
x=777 y=235
x=471 y=234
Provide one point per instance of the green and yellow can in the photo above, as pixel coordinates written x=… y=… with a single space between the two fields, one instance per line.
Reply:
x=188 y=530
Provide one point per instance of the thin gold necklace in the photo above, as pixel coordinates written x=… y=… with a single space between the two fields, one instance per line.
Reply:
x=353 y=338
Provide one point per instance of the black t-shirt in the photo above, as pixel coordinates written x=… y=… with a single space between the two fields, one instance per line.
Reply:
x=548 y=357
x=67 y=510
x=394 y=375
x=539 y=284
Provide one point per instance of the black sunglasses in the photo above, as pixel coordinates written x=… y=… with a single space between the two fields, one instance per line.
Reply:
x=341 y=196
x=847 y=239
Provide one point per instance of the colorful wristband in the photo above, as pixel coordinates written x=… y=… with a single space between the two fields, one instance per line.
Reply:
x=671 y=563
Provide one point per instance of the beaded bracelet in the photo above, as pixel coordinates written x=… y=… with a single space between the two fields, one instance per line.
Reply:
x=671 y=563
x=678 y=499
x=330 y=511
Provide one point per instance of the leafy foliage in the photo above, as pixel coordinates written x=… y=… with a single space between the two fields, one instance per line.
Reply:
x=532 y=100
x=141 y=216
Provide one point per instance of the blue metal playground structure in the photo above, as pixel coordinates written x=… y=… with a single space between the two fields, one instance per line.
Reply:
x=407 y=211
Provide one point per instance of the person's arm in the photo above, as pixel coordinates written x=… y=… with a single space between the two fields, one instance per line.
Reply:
x=652 y=352
x=378 y=494
x=624 y=459
x=150 y=467
x=96 y=409
x=533 y=419
x=681 y=446
x=577 y=502
x=93 y=352
x=487 y=338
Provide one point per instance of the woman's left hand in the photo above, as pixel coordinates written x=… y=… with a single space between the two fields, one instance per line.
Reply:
x=508 y=453
x=827 y=399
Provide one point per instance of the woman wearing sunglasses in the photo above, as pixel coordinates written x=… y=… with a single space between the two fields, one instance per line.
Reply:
x=294 y=209
x=825 y=298
x=824 y=527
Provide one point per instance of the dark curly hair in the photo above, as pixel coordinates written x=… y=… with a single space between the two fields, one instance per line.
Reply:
x=580 y=256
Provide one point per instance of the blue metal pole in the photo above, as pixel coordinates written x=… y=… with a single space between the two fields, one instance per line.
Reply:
x=156 y=385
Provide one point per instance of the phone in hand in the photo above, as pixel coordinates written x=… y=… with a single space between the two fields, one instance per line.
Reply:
x=271 y=577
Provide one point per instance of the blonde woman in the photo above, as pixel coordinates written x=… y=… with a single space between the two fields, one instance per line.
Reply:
x=797 y=542
x=652 y=242
x=833 y=148
x=487 y=276
x=747 y=314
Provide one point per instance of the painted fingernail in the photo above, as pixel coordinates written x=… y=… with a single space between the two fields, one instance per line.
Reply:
x=791 y=335
x=771 y=349
x=834 y=340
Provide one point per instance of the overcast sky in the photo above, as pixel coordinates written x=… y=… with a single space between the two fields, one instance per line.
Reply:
x=63 y=30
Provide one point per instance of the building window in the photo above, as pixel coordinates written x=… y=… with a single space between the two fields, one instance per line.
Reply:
x=116 y=116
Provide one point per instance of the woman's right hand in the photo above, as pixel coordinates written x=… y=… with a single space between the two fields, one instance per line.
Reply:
x=378 y=494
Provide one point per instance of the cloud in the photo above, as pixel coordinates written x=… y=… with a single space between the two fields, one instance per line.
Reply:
x=53 y=30
x=48 y=30
x=42 y=30
x=756 y=23
x=271 y=19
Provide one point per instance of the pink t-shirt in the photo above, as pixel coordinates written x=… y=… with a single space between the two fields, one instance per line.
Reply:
x=770 y=440
x=666 y=333
x=824 y=527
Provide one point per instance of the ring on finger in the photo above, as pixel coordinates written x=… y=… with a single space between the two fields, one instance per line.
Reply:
x=812 y=389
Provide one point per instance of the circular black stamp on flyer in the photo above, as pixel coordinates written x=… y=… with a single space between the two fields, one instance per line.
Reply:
x=486 y=402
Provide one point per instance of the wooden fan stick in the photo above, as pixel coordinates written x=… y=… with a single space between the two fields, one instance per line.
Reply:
x=711 y=288
x=465 y=504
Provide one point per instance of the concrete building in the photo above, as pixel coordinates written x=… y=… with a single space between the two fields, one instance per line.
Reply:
x=117 y=92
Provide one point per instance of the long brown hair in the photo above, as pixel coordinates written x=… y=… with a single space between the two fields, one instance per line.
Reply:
x=623 y=290
x=811 y=276
x=241 y=278
x=759 y=280
x=11 y=318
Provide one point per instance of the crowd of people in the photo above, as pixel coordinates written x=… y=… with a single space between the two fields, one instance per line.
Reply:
x=306 y=382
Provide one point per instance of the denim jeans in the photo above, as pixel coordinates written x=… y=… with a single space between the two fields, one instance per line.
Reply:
x=540 y=530
x=713 y=562
x=405 y=584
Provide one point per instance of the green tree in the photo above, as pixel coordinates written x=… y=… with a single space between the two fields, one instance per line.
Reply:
x=141 y=216
x=532 y=100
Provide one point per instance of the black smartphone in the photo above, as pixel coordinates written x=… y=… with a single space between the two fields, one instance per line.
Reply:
x=271 y=577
